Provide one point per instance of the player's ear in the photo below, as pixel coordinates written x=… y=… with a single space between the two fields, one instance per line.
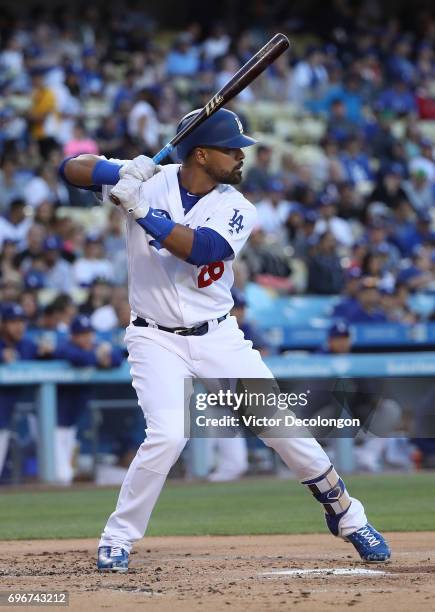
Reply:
x=201 y=155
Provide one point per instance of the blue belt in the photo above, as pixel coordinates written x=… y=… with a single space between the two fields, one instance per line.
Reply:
x=198 y=330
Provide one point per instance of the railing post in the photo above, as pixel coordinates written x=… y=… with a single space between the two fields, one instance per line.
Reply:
x=47 y=416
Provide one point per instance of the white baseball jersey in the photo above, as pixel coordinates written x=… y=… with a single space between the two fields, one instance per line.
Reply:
x=166 y=289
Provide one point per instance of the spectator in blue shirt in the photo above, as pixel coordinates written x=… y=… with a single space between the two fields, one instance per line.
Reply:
x=325 y=273
x=250 y=332
x=366 y=308
x=80 y=350
x=398 y=98
x=340 y=126
x=14 y=346
x=355 y=161
x=399 y=64
x=416 y=234
x=339 y=341
x=183 y=59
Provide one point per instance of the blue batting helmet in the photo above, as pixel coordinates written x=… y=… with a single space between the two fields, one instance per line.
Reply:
x=222 y=129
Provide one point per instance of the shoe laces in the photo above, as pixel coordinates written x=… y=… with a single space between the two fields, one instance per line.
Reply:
x=116 y=551
x=368 y=536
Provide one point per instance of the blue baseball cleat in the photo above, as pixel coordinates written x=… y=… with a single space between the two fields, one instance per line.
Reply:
x=112 y=559
x=370 y=544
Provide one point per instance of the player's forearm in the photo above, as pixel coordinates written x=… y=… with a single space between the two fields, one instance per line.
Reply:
x=180 y=241
x=78 y=170
x=89 y=170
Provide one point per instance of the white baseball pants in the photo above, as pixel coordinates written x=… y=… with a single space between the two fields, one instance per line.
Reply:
x=160 y=363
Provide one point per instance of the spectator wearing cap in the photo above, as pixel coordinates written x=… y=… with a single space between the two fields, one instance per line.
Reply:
x=378 y=239
x=399 y=63
x=389 y=189
x=418 y=189
x=379 y=135
x=366 y=307
x=15 y=225
x=300 y=225
x=11 y=184
x=339 y=341
x=80 y=350
x=29 y=303
x=328 y=221
x=325 y=273
x=93 y=264
x=355 y=161
x=260 y=175
x=98 y=296
x=415 y=234
x=340 y=126
x=381 y=415
x=259 y=343
x=349 y=300
x=14 y=346
x=90 y=75
x=398 y=98
x=124 y=94
x=58 y=272
x=418 y=276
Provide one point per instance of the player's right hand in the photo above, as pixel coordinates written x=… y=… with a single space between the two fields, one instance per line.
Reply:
x=141 y=168
x=127 y=193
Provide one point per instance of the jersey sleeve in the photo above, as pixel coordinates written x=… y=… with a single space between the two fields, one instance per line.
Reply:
x=234 y=222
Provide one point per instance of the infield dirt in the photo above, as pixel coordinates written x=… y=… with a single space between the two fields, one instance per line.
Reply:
x=221 y=573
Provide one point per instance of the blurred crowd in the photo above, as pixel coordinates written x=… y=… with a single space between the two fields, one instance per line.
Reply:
x=355 y=217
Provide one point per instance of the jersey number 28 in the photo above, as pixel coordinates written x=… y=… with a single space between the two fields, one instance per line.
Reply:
x=211 y=273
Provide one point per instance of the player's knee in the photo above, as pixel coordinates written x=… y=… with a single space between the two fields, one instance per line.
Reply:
x=160 y=450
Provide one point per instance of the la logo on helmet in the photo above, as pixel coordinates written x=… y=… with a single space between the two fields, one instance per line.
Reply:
x=239 y=124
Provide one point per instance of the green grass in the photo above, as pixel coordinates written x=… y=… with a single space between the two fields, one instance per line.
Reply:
x=393 y=503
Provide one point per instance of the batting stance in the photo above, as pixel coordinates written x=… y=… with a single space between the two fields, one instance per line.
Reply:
x=185 y=225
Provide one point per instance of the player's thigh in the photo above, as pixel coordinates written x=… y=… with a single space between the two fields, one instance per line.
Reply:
x=162 y=382
x=226 y=354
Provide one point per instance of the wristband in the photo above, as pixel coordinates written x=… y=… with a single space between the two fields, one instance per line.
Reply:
x=105 y=173
x=157 y=224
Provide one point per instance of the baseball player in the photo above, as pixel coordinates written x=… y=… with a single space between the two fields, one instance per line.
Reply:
x=185 y=225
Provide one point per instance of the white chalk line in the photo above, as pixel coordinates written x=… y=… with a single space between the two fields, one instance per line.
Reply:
x=336 y=571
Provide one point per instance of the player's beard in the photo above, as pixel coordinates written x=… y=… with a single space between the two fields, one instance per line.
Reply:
x=224 y=177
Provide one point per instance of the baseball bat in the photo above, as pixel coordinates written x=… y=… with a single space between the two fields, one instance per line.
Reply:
x=247 y=73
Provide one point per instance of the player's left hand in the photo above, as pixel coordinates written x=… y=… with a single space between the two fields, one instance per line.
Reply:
x=127 y=193
x=141 y=167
